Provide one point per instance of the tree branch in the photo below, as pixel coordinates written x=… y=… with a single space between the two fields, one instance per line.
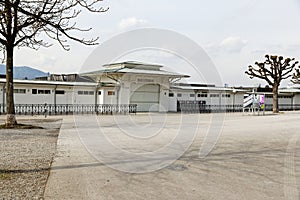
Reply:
x=273 y=70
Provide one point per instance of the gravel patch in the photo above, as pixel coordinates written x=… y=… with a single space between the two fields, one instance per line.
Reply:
x=26 y=157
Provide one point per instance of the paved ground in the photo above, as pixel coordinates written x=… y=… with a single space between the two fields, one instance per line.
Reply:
x=134 y=157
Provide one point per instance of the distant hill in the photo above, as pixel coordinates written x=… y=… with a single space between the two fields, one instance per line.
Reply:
x=24 y=72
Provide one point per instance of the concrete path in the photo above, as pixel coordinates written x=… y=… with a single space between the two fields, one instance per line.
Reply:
x=135 y=157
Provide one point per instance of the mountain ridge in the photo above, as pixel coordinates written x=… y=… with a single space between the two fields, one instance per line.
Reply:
x=24 y=72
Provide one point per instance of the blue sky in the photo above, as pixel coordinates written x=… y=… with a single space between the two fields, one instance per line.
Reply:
x=234 y=33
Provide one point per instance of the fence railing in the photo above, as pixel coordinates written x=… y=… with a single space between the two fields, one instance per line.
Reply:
x=283 y=107
x=198 y=107
x=182 y=106
x=66 y=109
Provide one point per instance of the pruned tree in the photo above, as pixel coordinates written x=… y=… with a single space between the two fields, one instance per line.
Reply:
x=296 y=77
x=26 y=23
x=273 y=70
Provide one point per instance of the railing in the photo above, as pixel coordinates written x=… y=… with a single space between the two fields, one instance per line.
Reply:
x=182 y=106
x=66 y=109
x=284 y=107
x=197 y=107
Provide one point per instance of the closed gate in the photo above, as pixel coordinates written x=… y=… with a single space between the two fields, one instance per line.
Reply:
x=146 y=98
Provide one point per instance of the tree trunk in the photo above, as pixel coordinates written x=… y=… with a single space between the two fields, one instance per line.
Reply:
x=10 y=106
x=275 y=98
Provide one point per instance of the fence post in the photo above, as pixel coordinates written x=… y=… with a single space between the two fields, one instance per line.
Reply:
x=45 y=110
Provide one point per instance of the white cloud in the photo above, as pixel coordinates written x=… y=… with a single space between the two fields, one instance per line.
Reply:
x=131 y=22
x=228 y=45
x=233 y=44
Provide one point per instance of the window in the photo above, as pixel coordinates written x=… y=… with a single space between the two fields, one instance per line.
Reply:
x=179 y=95
x=59 y=92
x=19 y=91
x=111 y=93
x=192 y=95
x=99 y=92
x=171 y=94
x=269 y=96
x=214 y=95
x=226 y=95
x=36 y=91
x=284 y=97
x=44 y=92
x=202 y=95
x=85 y=92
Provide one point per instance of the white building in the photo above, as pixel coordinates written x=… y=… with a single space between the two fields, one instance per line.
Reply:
x=146 y=85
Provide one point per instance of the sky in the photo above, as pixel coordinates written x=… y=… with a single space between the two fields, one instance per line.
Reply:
x=233 y=33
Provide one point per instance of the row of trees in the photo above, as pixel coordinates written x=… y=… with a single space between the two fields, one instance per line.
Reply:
x=273 y=70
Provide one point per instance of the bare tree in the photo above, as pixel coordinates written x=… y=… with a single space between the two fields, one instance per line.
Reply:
x=273 y=70
x=23 y=23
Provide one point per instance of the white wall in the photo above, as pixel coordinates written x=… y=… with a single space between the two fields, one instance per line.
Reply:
x=239 y=98
x=185 y=95
x=164 y=99
x=71 y=95
x=211 y=99
x=66 y=98
x=30 y=98
x=286 y=101
x=214 y=100
x=109 y=99
x=100 y=96
x=164 y=95
x=202 y=98
x=78 y=98
x=297 y=99
x=172 y=102
x=124 y=93
x=1 y=93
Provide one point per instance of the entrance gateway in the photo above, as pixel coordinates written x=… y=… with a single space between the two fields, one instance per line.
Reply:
x=145 y=85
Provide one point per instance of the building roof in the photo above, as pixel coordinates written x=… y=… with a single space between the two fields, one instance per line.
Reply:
x=268 y=90
x=45 y=82
x=206 y=88
x=289 y=90
x=65 y=78
x=134 y=64
x=134 y=68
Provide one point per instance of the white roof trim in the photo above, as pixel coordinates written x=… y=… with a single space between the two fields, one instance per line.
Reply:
x=207 y=88
x=50 y=82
